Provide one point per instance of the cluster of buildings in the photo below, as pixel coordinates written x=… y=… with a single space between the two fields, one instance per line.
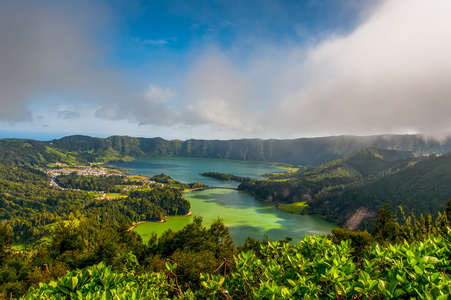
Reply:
x=53 y=173
x=81 y=172
x=132 y=187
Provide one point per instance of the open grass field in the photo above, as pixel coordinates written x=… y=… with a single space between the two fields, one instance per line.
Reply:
x=137 y=177
x=296 y=208
x=285 y=167
x=115 y=195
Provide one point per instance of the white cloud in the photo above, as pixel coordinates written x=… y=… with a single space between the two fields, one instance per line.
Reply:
x=222 y=94
x=156 y=42
x=156 y=94
x=150 y=107
x=389 y=75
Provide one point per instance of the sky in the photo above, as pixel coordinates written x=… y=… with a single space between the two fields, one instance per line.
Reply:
x=224 y=69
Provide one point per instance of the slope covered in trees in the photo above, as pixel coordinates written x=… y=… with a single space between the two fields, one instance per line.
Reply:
x=23 y=152
x=423 y=188
x=30 y=206
x=351 y=189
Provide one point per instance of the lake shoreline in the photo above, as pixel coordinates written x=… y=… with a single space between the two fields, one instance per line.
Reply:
x=246 y=214
x=190 y=213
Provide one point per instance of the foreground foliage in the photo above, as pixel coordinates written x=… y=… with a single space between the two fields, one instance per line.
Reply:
x=314 y=268
x=99 y=282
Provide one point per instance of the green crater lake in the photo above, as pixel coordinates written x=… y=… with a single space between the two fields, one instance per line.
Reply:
x=242 y=213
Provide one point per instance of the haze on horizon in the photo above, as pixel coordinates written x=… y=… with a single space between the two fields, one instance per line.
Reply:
x=225 y=69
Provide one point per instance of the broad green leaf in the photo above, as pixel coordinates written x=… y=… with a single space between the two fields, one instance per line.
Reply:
x=418 y=270
x=398 y=292
x=428 y=295
x=291 y=282
x=381 y=287
x=431 y=259
x=360 y=290
x=74 y=282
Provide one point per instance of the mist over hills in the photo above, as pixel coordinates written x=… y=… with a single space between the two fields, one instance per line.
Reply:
x=303 y=151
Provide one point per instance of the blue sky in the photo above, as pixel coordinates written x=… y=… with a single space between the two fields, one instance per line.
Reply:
x=224 y=69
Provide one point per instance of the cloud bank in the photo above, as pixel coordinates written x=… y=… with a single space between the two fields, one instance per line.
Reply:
x=390 y=75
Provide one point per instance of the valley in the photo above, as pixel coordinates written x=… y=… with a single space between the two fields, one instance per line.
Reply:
x=392 y=194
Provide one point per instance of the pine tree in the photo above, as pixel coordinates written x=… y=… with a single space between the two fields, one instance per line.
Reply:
x=386 y=228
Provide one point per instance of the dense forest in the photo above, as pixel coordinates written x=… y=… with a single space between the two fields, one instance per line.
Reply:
x=359 y=183
x=31 y=206
x=93 y=183
x=30 y=153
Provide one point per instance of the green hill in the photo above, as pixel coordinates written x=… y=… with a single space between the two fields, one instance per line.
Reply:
x=351 y=189
x=361 y=164
x=29 y=152
x=423 y=188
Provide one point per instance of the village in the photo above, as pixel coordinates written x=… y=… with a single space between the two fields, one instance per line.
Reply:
x=53 y=173
x=82 y=172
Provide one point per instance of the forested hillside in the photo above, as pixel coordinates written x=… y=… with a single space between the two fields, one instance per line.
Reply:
x=349 y=190
x=423 y=188
x=31 y=153
x=29 y=205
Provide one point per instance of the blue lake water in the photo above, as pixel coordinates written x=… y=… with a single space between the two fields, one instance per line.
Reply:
x=187 y=169
x=242 y=213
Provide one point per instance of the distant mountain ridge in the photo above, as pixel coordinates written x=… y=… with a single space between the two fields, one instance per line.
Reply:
x=303 y=151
